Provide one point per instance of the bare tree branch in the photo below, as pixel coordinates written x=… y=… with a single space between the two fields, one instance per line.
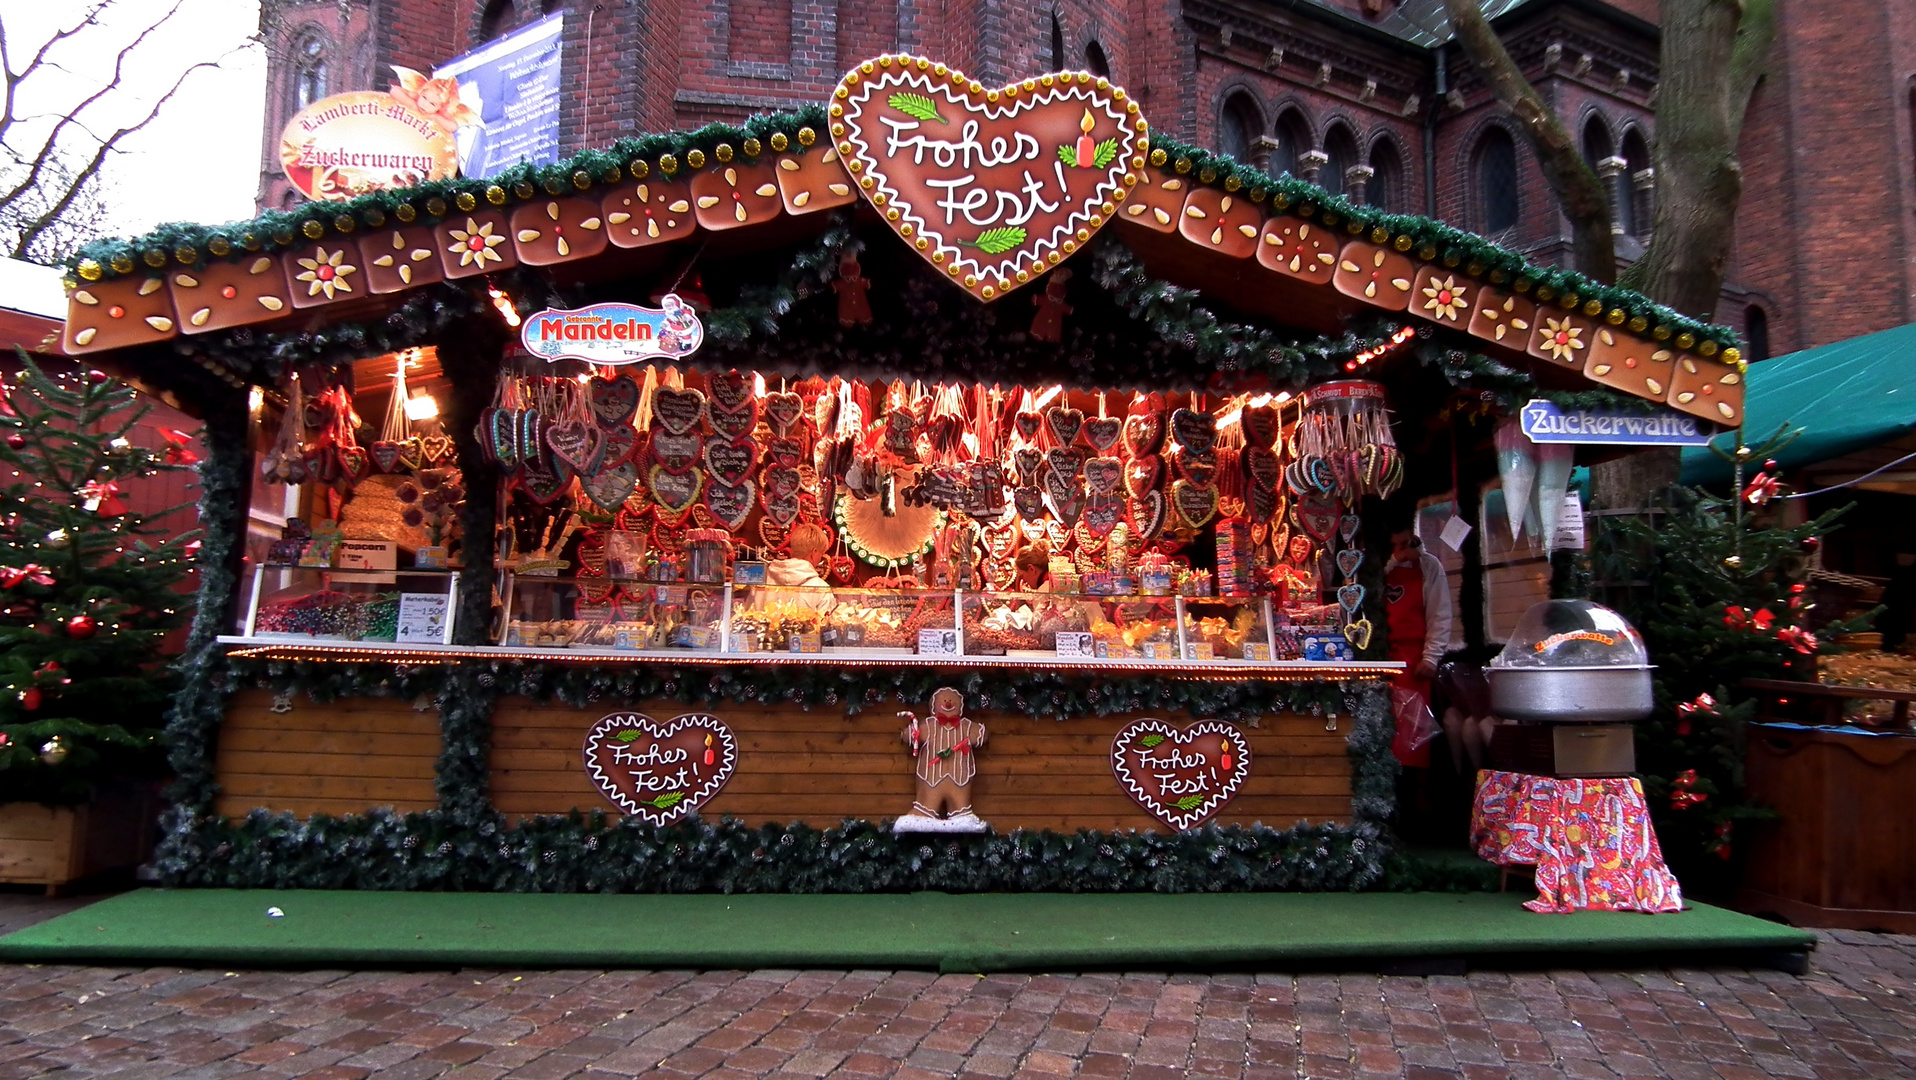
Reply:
x=13 y=79
x=1579 y=192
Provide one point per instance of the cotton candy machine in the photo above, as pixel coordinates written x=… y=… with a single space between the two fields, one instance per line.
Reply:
x=1574 y=675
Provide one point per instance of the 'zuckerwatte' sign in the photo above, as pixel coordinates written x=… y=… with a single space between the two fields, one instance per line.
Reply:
x=615 y=333
x=1545 y=422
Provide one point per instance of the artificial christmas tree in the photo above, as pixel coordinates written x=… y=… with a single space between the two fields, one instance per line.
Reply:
x=87 y=589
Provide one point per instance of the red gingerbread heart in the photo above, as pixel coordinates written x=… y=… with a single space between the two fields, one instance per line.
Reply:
x=1182 y=776
x=660 y=772
x=975 y=176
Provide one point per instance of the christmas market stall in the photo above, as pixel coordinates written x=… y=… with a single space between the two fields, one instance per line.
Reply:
x=731 y=509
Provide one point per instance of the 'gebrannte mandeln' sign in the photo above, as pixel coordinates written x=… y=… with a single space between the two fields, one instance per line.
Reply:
x=993 y=186
x=614 y=333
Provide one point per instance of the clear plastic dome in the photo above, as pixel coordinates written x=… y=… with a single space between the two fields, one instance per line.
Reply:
x=1572 y=633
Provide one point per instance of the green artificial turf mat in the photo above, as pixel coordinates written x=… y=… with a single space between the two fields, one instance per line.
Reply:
x=988 y=932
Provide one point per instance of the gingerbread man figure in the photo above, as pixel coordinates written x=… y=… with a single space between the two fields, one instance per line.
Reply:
x=1048 y=323
x=853 y=307
x=944 y=744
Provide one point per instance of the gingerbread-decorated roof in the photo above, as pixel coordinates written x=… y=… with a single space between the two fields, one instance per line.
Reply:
x=993 y=186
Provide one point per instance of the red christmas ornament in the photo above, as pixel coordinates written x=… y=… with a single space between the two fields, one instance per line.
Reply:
x=16 y=440
x=96 y=377
x=30 y=698
x=82 y=627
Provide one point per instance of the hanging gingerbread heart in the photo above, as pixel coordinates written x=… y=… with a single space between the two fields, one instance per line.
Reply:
x=1001 y=543
x=504 y=438
x=1194 y=430
x=783 y=410
x=1261 y=426
x=532 y=441
x=436 y=449
x=731 y=463
x=675 y=491
x=1065 y=463
x=1348 y=560
x=1147 y=515
x=1200 y=469
x=1027 y=460
x=1103 y=476
x=1027 y=424
x=1029 y=502
x=1300 y=549
x=1102 y=516
x=786 y=453
x=1196 y=504
x=577 y=443
x=1351 y=596
x=676 y=451
x=1262 y=468
x=731 y=504
x=1264 y=503
x=1143 y=433
x=678 y=411
x=1062 y=424
x=546 y=481
x=1347 y=527
x=1068 y=508
x=1317 y=516
x=781 y=483
x=610 y=487
x=412 y=455
x=1103 y=432
x=621 y=444
x=1358 y=633
x=354 y=465
x=1142 y=474
x=733 y=423
x=384 y=454
x=781 y=509
x=728 y=391
x=614 y=400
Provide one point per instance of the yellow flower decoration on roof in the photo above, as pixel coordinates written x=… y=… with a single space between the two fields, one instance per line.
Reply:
x=475 y=243
x=325 y=273
x=1445 y=299
x=1562 y=340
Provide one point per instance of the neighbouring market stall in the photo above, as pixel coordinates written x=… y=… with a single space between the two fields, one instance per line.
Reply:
x=942 y=456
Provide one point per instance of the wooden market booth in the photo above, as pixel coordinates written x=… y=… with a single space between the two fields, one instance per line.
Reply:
x=919 y=352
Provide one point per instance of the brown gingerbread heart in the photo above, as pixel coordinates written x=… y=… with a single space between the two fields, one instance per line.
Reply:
x=1195 y=504
x=1028 y=424
x=1143 y=433
x=1141 y=474
x=613 y=401
x=660 y=772
x=731 y=504
x=731 y=462
x=676 y=451
x=783 y=409
x=1103 y=475
x=621 y=443
x=678 y=411
x=1194 y=430
x=733 y=423
x=1102 y=516
x=1184 y=775
x=1261 y=426
x=1103 y=432
x=728 y=391
x=1147 y=515
x=674 y=490
x=1063 y=424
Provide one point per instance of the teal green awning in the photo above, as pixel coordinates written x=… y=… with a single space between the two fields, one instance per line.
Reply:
x=1845 y=396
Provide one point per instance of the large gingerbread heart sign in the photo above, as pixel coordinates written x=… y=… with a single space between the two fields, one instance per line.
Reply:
x=1181 y=775
x=994 y=186
x=660 y=772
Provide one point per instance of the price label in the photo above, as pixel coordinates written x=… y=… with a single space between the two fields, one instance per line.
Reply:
x=1199 y=650
x=422 y=617
x=1256 y=650
x=1074 y=643
x=938 y=643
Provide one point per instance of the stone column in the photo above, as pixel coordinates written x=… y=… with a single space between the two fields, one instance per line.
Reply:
x=1261 y=149
x=1310 y=163
x=1355 y=179
x=1611 y=171
x=1645 y=181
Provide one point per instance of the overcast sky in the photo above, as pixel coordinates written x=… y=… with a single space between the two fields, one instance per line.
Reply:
x=199 y=160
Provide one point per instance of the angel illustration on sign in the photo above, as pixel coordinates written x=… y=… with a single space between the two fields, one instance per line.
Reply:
x=945 y=744
x=440 y=100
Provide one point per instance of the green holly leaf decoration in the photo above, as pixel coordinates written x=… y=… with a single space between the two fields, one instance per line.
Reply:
x=1107 y=150
x=628 y=736
x=667 y=800
x=997 y=241
x=1150 y=740
x=1069 y=155
x=916 y=106
x=1189 y=802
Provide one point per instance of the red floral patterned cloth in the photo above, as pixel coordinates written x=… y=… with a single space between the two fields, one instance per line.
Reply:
x=1591 y=841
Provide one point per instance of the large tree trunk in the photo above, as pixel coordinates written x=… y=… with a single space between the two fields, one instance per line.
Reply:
x=1713 y=53
x=1579 y=192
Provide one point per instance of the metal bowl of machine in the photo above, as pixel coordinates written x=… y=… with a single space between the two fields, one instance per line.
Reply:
x=1572 y=661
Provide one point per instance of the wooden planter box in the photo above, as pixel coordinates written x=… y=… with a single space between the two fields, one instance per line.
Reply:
x=55 y=846
x=1843 y=854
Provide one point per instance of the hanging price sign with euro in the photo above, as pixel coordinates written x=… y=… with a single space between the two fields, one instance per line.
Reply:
x=993 y=186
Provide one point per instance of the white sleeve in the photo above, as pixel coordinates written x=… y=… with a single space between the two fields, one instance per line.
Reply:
x=1437 y=617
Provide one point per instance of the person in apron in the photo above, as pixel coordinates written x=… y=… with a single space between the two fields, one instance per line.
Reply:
x=1417 y=619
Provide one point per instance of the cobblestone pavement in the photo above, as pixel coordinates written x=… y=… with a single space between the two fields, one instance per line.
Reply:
x=1851 y=1017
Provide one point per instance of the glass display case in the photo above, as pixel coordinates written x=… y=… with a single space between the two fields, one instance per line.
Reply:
x=843 y=621
x=614 y=616
x=1228 y=628
x=296 y=603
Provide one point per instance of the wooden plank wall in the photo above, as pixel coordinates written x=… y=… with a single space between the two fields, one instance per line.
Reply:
x=343 y=757
x=820 y=767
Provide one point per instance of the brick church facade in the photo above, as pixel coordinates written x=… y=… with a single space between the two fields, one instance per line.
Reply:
x=1364 y=96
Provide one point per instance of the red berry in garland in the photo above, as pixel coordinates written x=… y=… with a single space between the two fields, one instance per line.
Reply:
x=82 y=627
x=30 y=698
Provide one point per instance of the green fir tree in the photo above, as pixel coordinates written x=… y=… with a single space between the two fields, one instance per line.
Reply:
x=87 y=589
